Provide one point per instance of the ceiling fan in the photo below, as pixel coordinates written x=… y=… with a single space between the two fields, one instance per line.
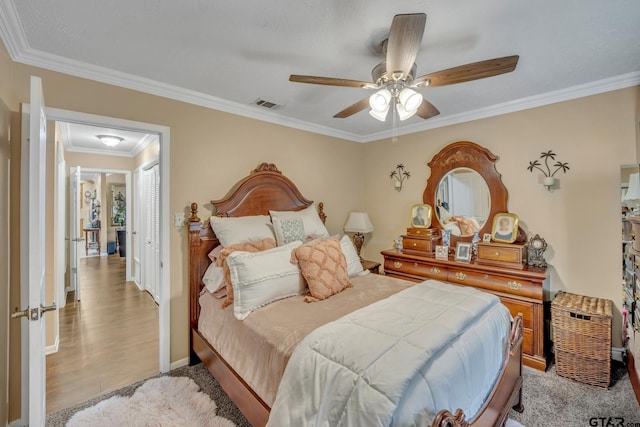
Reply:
x=394 y=80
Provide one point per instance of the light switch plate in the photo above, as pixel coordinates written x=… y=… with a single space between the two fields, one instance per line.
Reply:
x=179 y=219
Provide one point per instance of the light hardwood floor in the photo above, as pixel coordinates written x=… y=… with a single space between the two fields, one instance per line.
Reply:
x=107 y=340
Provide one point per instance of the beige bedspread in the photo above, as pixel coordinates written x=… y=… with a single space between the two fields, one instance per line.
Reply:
x=258 y=348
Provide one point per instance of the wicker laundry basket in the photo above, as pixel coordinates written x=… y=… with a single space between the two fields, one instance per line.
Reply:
x=582 y=338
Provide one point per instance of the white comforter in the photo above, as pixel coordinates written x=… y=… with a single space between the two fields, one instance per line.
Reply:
x=398 y=361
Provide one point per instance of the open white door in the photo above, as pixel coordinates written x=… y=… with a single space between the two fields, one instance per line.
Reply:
x=32 y=257
x=74 y=229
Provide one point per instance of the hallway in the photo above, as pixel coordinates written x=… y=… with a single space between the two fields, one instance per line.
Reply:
x=107 y=340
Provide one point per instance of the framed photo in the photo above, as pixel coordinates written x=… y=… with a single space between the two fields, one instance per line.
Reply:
x=118 y=205
x=463 y=252
x=442 y=252
x=505 y=227
x=421 y=216
x=486 y=237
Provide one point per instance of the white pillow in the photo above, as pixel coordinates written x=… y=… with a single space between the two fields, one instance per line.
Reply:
x=313 y=226
x=288 y=230
x=354 y=266
x=213 y=278
x=259 y=278
x=233 y=230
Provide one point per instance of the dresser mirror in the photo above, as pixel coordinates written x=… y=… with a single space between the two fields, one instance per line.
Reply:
x=465 y=190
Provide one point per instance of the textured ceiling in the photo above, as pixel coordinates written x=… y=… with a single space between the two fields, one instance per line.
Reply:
x=225 y=55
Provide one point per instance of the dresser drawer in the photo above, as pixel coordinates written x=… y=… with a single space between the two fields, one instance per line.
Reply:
x=494 y=282
x=420 y=245
x=515 y=307
x=411 y=231
x=508 y=255
x=416 y=269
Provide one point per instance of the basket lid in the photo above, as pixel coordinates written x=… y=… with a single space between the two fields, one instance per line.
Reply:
x=582 y=304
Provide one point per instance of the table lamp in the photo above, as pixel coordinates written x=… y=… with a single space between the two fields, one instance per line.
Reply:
x=359 y=224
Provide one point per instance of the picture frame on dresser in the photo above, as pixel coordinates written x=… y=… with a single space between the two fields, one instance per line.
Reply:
x=505 y=227
x=442 y=252
x=463 y=252
x=421 y=216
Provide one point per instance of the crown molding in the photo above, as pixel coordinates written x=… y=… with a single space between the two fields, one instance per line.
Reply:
x=12 y=34
x=592 y=88
x=98 y=151
x=144 y=142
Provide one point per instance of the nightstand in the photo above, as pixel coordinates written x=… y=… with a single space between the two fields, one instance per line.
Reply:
x=372 y=266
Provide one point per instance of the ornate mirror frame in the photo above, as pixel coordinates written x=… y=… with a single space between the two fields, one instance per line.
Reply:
x=466 y=154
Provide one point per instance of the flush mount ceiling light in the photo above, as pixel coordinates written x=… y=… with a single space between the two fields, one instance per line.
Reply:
x=110 y=140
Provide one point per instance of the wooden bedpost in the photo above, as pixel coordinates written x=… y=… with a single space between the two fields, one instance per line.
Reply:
x=194 y=308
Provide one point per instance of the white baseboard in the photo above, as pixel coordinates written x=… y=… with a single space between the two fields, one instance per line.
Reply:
x=51 y=349
x=17 y=423
x=617 y=353
x=179 y=363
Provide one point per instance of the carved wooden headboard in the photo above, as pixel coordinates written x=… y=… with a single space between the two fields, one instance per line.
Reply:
x=264 y=189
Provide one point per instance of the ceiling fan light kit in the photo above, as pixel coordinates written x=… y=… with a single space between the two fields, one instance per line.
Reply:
x=394 y=79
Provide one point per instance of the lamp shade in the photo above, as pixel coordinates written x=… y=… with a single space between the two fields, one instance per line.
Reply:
x=410 y=99
x=632 y=198
x=358 y=222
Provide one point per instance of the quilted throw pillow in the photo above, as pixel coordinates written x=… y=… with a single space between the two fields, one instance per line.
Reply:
x=324 y=267
x=261 y=245
x=288 y=230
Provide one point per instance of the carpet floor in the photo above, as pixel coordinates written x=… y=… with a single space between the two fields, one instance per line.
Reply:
x=549 y=400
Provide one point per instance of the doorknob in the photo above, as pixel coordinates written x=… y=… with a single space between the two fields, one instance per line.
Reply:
x=18 y=314
x=134 y=232
x=51 y=307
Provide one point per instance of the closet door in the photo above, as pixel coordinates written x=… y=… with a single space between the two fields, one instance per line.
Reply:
x=136 y=236
x=151 y=241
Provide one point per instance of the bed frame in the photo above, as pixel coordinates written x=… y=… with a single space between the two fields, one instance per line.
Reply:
x=266 y=188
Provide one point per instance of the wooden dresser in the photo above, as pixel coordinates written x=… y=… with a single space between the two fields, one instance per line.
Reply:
x=520 y=290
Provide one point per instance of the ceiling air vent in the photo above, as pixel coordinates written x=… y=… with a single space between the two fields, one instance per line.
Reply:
x=266 y=104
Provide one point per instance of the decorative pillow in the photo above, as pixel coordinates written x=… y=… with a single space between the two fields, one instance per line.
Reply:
x=260 y=278
x=313 y=225
x=213 y=255
x=245 y=247
x=354 y=266
x=324 y=267
x=288 y=230
x=234 y=230
x=213 y=278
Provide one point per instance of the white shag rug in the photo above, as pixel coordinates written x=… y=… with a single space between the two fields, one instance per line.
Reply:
x=164 y=401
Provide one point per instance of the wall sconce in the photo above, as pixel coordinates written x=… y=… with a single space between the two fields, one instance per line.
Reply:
x=359 y=224
x=549 y=178
x=399 y=174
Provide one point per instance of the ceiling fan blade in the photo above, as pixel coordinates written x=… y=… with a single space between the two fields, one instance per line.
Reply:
x=468 y=72
x=330 y=81
x=404 y=42
x=352 y=109
x=426 y=110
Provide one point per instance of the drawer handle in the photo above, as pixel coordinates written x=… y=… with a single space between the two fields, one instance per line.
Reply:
x=435 y=270
x=513 y=285
x=415 y=244
x=397 y=264
x=497 y=253
x=485 y=277
x=460 y=275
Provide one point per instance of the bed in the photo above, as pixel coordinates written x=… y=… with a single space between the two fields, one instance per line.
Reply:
x=265 y=189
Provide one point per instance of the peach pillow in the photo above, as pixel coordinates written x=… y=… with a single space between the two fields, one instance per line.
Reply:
x=323 y=266
x=261 y=245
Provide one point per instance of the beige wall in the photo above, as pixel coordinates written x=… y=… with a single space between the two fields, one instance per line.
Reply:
x=209 y=152
x=580 y=221
x=150 y=154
